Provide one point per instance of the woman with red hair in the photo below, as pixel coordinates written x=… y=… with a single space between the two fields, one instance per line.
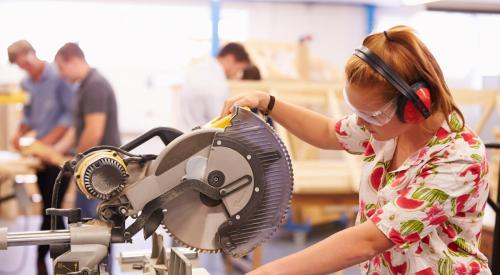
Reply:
x=423 y=182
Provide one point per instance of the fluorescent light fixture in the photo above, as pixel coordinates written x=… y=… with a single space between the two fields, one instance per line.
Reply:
x=417 y=2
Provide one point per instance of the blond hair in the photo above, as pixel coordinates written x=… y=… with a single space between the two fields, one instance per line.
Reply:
x=17 y=48
x=407 y=55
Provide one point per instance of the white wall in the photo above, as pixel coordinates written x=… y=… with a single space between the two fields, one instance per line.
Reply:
x=336 y=29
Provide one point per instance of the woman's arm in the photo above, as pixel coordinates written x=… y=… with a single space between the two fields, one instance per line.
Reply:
x=313 y=128
x=343 y=249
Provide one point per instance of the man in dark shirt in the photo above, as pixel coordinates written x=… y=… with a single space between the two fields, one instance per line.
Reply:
x=95 y=109
x=95 y=112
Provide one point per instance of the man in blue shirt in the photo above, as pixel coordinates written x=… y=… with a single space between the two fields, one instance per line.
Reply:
x=49 y=114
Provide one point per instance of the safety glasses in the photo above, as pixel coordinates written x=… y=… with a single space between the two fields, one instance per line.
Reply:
x=378 y=118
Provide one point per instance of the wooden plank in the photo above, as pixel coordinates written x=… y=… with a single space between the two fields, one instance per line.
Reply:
x=486 y=242
x=486 y=99
x=283 y=86
x=13 y=97
x=322 y=208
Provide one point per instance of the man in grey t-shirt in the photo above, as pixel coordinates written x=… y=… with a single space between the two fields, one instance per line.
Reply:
x=95 y=101
x=95 y=110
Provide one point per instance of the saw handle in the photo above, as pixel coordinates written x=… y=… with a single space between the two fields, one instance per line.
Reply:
x=166 y=135
x=74 y=215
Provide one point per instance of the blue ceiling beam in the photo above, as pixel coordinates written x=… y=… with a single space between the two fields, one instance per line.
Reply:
x=215 y=6
x=370 y=11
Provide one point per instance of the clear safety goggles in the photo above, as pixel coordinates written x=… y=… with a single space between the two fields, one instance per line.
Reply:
x=378 y=118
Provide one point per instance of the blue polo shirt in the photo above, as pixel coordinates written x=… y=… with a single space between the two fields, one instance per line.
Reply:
x=50 y=103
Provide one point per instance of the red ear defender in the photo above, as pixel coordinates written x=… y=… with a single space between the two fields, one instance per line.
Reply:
x=410 y=114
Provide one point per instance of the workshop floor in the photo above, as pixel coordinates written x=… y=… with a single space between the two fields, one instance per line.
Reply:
x=21 y=260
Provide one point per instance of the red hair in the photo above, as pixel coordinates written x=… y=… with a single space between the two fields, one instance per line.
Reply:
x=407 y=55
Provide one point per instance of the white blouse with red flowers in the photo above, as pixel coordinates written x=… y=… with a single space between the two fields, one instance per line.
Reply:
x=431 y=207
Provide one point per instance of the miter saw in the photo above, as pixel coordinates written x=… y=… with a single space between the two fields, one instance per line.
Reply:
x=224 y=187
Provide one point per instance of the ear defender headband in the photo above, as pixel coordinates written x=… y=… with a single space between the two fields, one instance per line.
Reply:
x=418 y=93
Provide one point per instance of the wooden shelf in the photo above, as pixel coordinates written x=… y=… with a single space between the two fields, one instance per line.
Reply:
x=13 y=97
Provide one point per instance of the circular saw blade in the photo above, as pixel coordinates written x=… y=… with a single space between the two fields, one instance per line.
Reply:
x=190 y=220
x=194 y=219
x=236 y=228
x=193 y=223
x=273 y=175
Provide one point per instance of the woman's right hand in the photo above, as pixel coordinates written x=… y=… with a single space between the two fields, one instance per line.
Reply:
x=257 y=99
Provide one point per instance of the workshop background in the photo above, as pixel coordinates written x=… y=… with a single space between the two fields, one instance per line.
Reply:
x=144 y=47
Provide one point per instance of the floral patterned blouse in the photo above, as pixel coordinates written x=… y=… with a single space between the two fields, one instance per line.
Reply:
x=431 y=207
